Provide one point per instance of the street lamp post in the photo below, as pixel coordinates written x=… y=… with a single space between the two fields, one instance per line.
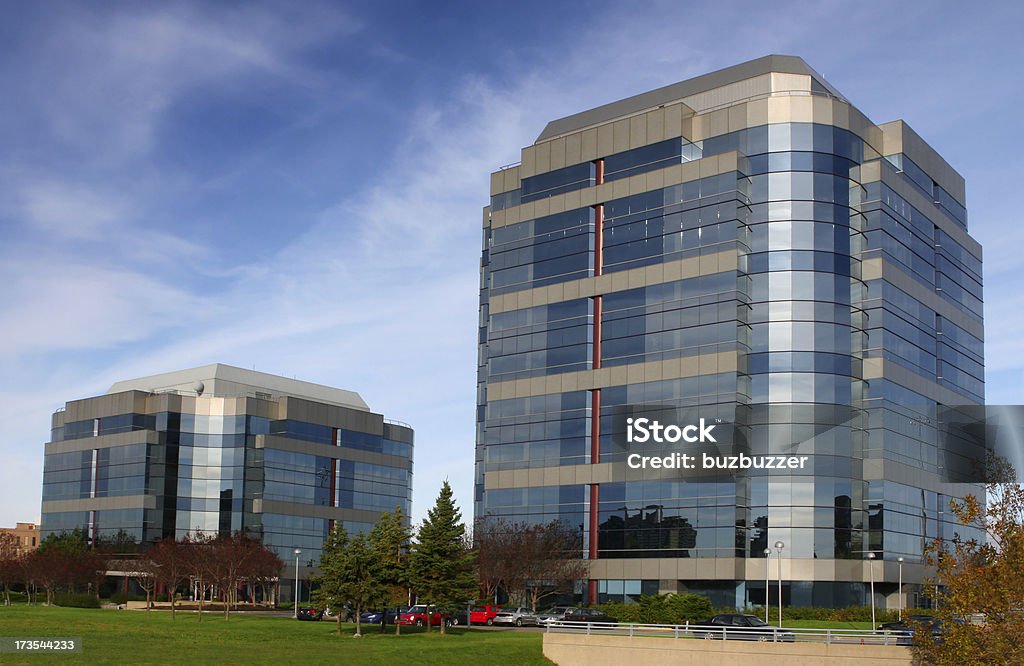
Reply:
x=871 y=570
x=779 y=546
x=296 y=596
x=899 y=595
x=767 y=582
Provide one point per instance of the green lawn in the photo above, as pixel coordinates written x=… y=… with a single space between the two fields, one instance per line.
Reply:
x=117 y=637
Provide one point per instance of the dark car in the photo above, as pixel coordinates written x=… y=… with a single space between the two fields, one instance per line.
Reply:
x=310 y=613
x=374 y=617
x=737 y=626
x=905 y=630
x=589 y=615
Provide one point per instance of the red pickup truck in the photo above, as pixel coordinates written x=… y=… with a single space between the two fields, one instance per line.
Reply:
x=483 y=614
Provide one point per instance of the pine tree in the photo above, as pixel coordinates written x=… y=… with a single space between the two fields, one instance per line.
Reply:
x=390 y=540
x=350 y=574
x=442 y=566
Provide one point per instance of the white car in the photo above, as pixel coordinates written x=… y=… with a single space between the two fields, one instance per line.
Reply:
x=516 y=616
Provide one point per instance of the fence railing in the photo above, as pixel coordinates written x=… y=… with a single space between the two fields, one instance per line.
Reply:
x=765 y=634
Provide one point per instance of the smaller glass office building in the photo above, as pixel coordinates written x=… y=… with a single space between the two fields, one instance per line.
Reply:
x=219 y=449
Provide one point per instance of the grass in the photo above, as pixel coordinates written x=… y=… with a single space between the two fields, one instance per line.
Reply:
x=138 y=637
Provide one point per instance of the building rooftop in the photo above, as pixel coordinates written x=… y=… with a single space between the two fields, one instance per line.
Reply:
x=221 y=380
x=781 y=64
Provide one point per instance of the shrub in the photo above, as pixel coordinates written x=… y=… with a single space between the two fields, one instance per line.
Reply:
x=690 y=607
x=76 y=601
x=661 y=609
x=123 y=597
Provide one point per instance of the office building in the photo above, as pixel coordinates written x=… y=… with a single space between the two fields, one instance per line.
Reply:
x=748 y=248
x=218 y=449
x=25 y=535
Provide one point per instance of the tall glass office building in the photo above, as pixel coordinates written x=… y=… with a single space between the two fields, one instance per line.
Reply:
x=748 y=248
x=219 y=449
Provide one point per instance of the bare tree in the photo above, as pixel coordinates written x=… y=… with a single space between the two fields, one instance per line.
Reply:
x=264 y=570
x=10 y=564
x=198 y=549
x=493 y=539
x=144 y=572
x=173 y=566
x=530 y=562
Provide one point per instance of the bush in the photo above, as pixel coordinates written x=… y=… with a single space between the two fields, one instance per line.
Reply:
x=661 y=609
x=76 y=601
x=124 y=597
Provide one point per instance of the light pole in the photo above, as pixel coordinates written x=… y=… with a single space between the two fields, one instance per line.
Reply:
x=899 y=595
x=871 y=570
x=296 y=596
x=779 y=546
x=767 y=583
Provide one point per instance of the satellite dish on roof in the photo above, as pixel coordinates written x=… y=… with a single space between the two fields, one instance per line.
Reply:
x=199 y=387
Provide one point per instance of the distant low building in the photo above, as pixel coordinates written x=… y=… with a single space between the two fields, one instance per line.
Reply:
x=27 y=535
x=218 y=449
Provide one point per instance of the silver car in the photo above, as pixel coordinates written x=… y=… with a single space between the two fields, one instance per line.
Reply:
x=516 y=616
x=554 y=614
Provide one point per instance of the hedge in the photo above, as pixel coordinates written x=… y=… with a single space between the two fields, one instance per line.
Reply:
x=76 y=600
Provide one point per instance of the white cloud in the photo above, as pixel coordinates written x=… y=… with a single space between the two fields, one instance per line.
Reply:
x=378 y=294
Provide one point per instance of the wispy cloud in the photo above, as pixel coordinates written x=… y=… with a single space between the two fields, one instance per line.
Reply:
x=376 y=289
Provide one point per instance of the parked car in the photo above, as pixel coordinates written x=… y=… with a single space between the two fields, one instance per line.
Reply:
x=555 y=613
x=483 y=614
x=905 y=630
x=589 y=615
x=417 y=615
x=310 y=613
x=388 y=616
x=737 y=626
x=516 y=616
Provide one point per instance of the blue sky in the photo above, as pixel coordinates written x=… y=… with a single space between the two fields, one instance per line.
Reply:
x=296 y=187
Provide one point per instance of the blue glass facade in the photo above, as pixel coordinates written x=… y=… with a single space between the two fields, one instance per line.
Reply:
x=782 y=266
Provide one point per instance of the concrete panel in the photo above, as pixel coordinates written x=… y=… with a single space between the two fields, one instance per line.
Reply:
x=574 y=149
x=620 y=135
x=542 y=157
x=568 y=649
x=558 y=153
x=656 y=126
x=638 y=131
x=588 y=145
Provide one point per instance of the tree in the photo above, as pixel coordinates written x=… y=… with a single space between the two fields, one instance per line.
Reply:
x=390 y=540
x=530 y=562
x=552 y=558
x=172 y=566
x=442 y=567
x=350 y=574
x=198 y=549
x=10 y=564
x=980 y=575
x=265 y=571
x=144 y=571
x=492 y=542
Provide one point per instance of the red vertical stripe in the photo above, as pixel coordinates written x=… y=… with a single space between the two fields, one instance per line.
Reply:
x=595 y=395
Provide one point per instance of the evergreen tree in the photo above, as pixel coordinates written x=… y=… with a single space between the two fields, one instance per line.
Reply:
x=350 y=574
x=390 y=540
x=442 y=566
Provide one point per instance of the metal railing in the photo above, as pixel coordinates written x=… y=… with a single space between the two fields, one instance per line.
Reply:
x=766 y=634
